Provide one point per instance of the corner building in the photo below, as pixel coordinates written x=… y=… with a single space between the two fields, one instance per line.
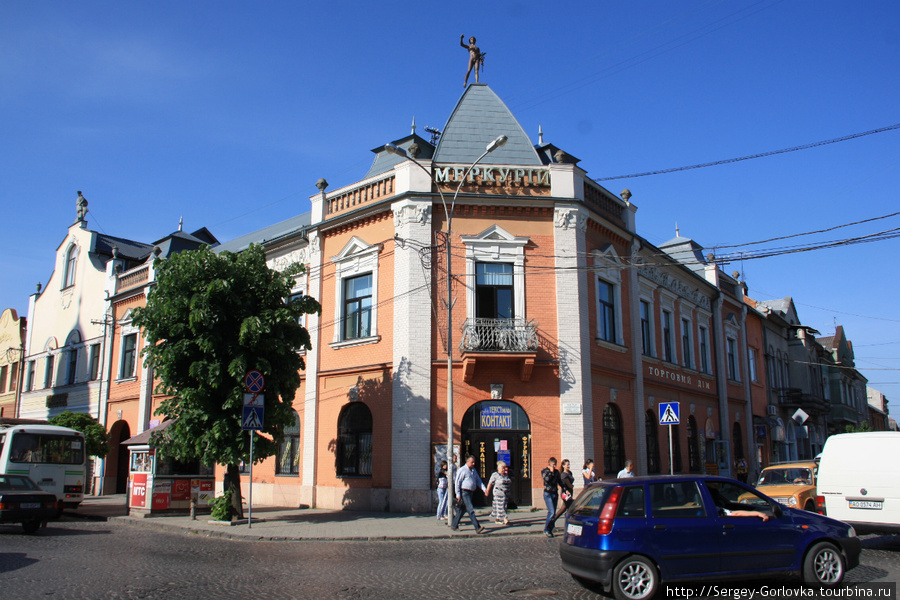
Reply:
x=545 y=335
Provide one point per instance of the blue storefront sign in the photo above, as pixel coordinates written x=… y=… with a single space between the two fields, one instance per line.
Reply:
x=496 y=417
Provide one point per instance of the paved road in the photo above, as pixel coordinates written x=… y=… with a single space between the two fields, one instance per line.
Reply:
x=96 y=560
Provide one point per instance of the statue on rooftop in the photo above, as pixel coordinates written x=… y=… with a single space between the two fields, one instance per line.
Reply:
x=81 y=207
x=476 y=58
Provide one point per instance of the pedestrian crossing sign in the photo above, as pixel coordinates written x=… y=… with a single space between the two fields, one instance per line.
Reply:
x=669 y=413
x=252 y=418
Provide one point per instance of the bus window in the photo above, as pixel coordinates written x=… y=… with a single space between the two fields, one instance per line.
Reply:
x=46 y=449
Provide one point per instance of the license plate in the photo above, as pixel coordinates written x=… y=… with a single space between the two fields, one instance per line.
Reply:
x=573 y=529
x=869 y=504
x=30 y=505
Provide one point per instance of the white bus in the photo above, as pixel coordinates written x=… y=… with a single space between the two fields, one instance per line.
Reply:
x=53 y=457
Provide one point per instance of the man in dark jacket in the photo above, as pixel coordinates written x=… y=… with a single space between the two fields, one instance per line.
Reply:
x=551 y=494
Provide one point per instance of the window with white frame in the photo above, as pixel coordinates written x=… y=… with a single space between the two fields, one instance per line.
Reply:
x=495 y=274
x=69 y=270
x=731 y=358
x=356 y=288
x=668 y=353
x=29 y=376
x=647 y=328
x=687 y=346
x=606 y=311
x=94 y=364
x=129 y=353
x=3 y=374
x=751 y=362
x=72 y=366
x=704 y=349
x=608 y=288
x=49 y=365
x=287 y=461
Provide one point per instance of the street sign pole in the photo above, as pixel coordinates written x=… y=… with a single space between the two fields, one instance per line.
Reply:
x=252 y=419
x=250 y=493
x=671 y=462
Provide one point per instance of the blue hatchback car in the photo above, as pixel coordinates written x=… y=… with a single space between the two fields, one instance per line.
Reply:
x=629 y=535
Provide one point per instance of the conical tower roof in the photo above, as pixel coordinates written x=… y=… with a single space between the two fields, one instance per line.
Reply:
x=479 y=118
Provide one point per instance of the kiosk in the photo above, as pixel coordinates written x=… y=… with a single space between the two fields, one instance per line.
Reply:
x=161 y=486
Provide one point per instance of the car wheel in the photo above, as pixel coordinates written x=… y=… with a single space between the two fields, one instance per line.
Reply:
x=823 y=564
x=31 y=526
x=635 y=578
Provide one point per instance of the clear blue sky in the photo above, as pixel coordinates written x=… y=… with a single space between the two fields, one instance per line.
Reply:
x=227 y=113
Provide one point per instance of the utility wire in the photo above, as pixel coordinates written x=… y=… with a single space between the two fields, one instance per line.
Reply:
x=760 y=155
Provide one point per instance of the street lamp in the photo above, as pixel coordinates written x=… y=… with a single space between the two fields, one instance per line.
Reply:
x=448 y=214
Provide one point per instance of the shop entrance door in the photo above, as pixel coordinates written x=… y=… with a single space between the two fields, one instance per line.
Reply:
x=498 y=430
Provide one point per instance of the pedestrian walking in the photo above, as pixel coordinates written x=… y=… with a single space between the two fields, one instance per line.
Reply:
x=442 y=487
x=628 y=471
x=567 y=483
x=587 y=472
x=466 y=482
x=500 y=483
x=550 y=474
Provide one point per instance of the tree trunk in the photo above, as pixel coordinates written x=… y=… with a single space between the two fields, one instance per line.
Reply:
x=234 y=482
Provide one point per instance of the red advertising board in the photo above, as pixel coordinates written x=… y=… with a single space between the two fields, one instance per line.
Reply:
x=162 y=491
x=139 y=489
x=181 y=490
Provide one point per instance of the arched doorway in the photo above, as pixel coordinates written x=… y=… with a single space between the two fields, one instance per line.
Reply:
x=117 y=459
x=495 y=430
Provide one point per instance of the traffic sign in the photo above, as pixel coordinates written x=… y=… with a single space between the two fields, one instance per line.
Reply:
x=669 y=413
x=254 y=382
x=254 y=400
x=252 y=418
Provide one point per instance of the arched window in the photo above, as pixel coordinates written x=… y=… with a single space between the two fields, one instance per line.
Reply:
x=613 y=444
x=71 y=258
x=288 y=458
x=652 y=430
x=354 y=452
x=693 y=446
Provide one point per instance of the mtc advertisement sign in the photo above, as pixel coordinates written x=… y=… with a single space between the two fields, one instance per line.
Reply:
x=496 y=417
x=139 y=489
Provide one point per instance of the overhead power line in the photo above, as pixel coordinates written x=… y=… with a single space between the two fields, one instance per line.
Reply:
x=760 y=155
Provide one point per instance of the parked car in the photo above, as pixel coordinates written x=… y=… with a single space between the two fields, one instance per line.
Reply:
x=22 y=501
x=859 y=480
x=791 y=483
x=629 y=535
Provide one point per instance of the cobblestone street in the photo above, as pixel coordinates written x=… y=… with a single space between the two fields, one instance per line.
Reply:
x=95 y=560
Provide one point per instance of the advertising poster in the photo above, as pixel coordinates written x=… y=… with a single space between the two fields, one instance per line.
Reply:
x=162 y=493
x=181 y=490
x=139 y=490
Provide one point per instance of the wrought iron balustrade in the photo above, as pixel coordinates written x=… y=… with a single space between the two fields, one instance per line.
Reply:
x=499 y=335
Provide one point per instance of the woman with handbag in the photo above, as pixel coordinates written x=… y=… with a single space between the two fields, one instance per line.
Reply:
x=500 y=483
x=567 y=483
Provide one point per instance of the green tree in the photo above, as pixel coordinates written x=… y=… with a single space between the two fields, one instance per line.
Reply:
x=96 y=439
x=209 y=319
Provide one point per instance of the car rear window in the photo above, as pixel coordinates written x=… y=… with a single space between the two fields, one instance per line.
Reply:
x=631 y=504
x=677 y=499
x=590 y=501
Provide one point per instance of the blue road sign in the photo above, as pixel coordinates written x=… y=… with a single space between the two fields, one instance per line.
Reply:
x=252 y=418
x=254 y=382
x=669 y=413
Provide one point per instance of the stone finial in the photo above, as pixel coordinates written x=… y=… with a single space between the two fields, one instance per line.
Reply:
x=322 y=185
x=736 y=274
x=711 y=257
x=540 y=135
x=39 y=286
x=626 y=194
x=413 y=150
x=560 y=156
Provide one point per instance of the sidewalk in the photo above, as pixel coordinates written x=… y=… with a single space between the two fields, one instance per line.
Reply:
x=273 y=523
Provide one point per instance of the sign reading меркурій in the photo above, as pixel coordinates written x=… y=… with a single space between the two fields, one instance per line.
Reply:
x=516 y=175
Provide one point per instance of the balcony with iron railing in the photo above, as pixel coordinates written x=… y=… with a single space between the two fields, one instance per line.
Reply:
x=797 y=398
x=494 y=340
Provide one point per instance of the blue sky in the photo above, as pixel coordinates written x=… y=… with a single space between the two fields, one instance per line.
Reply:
x=227 y=113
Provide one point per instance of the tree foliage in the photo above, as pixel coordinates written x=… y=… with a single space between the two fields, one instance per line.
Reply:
x=209 y=320
x=96 y=438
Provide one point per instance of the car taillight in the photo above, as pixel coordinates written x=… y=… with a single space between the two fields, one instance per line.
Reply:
x=820 y=505
x=8 y=506
x=50 y=505
x=608 y=514
x=73 y=489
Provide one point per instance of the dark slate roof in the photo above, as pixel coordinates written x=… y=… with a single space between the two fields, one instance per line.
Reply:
x=479 y=118
x=266 y=234
x=385 y=161
x=143 y=439
x=686 y=251
x=127 y=249
x=179 y=241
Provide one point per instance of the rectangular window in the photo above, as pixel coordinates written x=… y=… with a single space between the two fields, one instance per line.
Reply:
x=686 y=349
x=704 y=349
x=646 y=338
x=3 y=373
x=95 y=362
x=754 y=373
x=357 y=307
x=606 y=311
x=29 y=376
x=731 y=348
x=667 y=336
x=129 y=348
x=72 y=368
x=48 y=370
x=494 y=298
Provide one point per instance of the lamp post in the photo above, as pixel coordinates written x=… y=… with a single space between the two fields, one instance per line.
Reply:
x=448 y=214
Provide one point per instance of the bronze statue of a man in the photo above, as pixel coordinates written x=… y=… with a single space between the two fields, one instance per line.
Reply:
x=476 y=58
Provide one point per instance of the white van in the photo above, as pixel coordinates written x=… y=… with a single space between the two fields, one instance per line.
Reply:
x=859 y=480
